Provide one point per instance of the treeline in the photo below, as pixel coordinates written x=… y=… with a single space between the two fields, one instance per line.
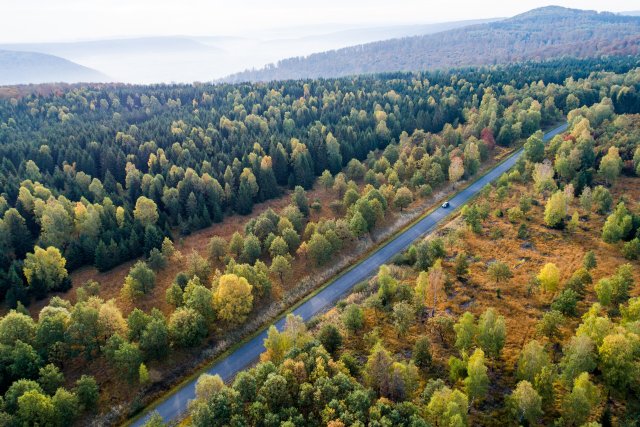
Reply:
x=103 y=174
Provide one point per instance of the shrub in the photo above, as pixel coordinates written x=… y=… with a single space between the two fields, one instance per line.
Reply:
x=631 y=249
x=566 y=302
x=422 y=352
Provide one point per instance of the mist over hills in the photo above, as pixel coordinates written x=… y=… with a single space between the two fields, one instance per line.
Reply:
x=206 y=58
x=538 y=34
x=18 y=67
x=330 y=50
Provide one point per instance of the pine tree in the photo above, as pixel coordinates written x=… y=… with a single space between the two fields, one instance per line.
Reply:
x=267 y=180
x=102 y=260
x=244 y=199
x=279 y=163
x=299 y=199
x=152 y=239
x=334 y=158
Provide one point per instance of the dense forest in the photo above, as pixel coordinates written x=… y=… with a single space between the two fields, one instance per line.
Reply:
x=491 y=322
x=103 y=174
x=548 y=32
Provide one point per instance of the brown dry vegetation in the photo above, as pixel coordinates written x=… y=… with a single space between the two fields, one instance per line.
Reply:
x=182 y=362
x=520 y=308
x=112 y=280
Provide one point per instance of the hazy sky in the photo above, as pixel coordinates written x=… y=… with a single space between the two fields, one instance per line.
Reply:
x=56 y=20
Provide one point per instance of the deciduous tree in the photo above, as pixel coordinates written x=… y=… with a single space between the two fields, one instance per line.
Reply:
x=456 y=169
x=87 y=391
x=140 y=280
x=35 y=409
x=353 y=318
x=534 y=149
x=251 y=250
x=549 y=277
x=578 y=405
x=50 y=378
x=154 y=341
x=618 y=225
x=533 y=359
x=16 y=326
x=448 y=408
x=278 y=247
x=187 y=327
x=146 y=211
x=378 y=370
x=492 y=332
x=611 y=165
x=232 y=298
x=403 y=198
x=217 y=248
x=579 y=355
x=65 y=407
x=527 y=402
x=199 y=297
x=477 y=382
x=549 y=325
x=403 y=316
x=45 y=270
x=422 y=352
x=319 y=249
x=555 y=210
x=466 y=331
x=282 y=267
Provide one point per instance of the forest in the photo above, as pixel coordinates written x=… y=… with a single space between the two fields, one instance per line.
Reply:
x=95 y=176
x=543 y=33
x=104 y=175
x=490 y=322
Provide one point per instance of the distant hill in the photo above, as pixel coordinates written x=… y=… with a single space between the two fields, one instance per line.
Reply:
x=18 y=67
x=538 y=34
x=136 y=60
x=205 y=58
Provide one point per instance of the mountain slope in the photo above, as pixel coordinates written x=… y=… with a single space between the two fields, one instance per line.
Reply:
x=18 y=67
x=538 y=34
x=197 y=58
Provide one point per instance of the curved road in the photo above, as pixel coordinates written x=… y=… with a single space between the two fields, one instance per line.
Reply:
x=175 y=404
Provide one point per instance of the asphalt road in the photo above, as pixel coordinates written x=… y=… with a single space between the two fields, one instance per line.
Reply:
x=176 y=403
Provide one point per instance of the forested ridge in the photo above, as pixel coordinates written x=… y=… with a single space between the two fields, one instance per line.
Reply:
x=544 y=33
x=102 y=174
